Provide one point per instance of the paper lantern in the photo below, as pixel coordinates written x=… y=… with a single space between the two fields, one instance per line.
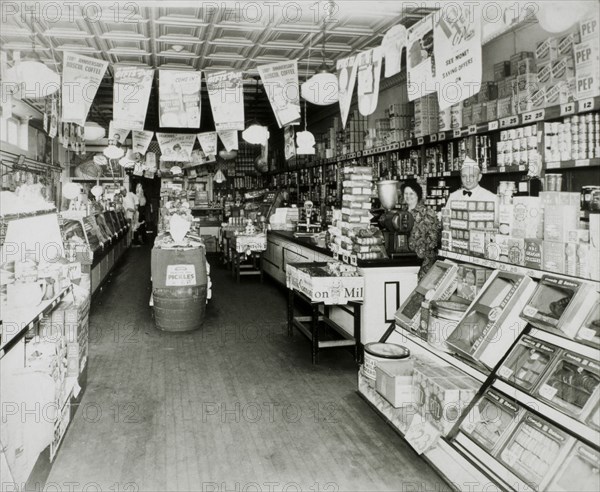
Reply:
x=256 y=134
x=92 y=131
x=322 y=88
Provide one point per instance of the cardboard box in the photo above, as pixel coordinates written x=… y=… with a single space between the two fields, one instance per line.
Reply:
x=501 y=70
x=394 y=382
x=517 y=57
x=554 y=256
x=534 y=253
x=558 y=220
x=487 y=92
x=589 y=29
x=511 y=249
x=567 y=42
x=587 y=83
x=456 y=112
x=528 y=217
x=505 y=107
x=559 y=93
x=586 y=54
x=492 y=110
x=544 y=72
x=560 y=198
x=563 y=68
x=547 y=49
x=525 y=66
x=470 y=279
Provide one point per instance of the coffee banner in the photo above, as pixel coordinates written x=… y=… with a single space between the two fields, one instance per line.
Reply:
x=179 y=98
x=392 y=45
x=280 y=81
x=346 y=74
x=131 y=92
x=81 y=78
x=457 y=51
x=208 y=142
x=419 y=59
x=176 y=147
x=229 y=139
x=368 y=75
x=141 y=140
x=226 y=96
x=116 y=133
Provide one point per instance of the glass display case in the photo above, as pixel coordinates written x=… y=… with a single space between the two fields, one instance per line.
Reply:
x=77 y=246
x=111 y=225
x=107 y=233
x=95 y=241
x=580 y=471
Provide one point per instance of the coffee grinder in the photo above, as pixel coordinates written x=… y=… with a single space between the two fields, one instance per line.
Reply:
x=396 y=223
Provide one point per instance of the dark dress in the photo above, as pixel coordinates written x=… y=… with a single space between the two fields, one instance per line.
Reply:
x=424 y=237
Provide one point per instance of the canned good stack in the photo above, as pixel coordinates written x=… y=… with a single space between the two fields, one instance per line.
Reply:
x=578 y=137
x=438 y=196
x=519 y=147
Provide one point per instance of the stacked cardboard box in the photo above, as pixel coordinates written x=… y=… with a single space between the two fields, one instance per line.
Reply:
x=426 y=115
x=467 y=226
x=587 y=59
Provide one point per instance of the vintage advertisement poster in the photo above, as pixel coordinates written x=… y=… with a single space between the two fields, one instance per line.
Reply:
x=81 y=78
x=176 y=147
x=131 y=92
x=117 y=133
x=179 y=98
x=280 y=81
x=346 y=73
x=226 y=95
x=369 y=74
x=141 y=140
x=208 y=142
x=392 y=45
x=457 y=52
x=420 y=59
x=229 y=139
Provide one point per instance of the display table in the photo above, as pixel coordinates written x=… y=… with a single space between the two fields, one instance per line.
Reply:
x=307 y=282
x=245 y=254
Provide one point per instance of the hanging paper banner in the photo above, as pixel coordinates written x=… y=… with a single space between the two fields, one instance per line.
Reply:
x=118 y=134
x=289 y=146
x=346 y=68
x=176 y=146
x=369 y=74
x=141 y=140
x=208 y=142
x=392 y=45
x=151 y=161
x=131 y=92
x=280 y=81
x=179 y=98
x=81 y=78
x=457 y=51
x=226 y=96
x=200 y=158
x=229 y=139
x=419 y=59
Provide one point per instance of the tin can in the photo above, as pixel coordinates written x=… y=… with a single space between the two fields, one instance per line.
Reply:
x=531 y=143
x=501 y=159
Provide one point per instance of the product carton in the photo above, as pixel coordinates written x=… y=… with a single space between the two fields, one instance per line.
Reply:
x=492 y=110
x=526 y=65
x=394 y=382
x=558 y=220
x=554 y=256
x=563 y=68
x=567 y=42
x=560 y=198
x=587 y=82
x=547 y=49
x=478 y=241
x=470 y=280
x=501 y=70
x=445 y=119
x=534 y=253
x=517 y=57
x=528 y=217
x=505 y=107
x=479 y=113
x=586 y=54
x=544 y=72
x=505 y=218
x=561 y=92
x=510 y=249
x=589 y=29
x=456 y=112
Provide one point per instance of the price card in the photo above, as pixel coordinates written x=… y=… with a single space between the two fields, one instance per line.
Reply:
x=433 y=138
x=442 y=136
x=501 y=169
x=509 y=121
x=533 y=116
x=421 y=435
x=409 y=143
x=548 y=391
x=472 y=130
x=522 y=167
x=566 y=109
x=420 y=141
x=586 y=104
x=493 y=125
x=403 y=144
x=582 y=162
x=456 y=133
x=586 y=333
x=552 y=165
x=447 y=173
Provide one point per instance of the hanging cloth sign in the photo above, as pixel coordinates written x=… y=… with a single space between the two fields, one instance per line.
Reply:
x=208 y=142
x=116 y=133
x=176 y=146
x=141 y=140
x=280 y=81
x=179 y=98
x=346 y=73
x=369 y=74
x=457 y=51
x=419 y=59
x=226 y=96
x=81 y=78
x=131 y=92
x=392 y=45
x=229 y=139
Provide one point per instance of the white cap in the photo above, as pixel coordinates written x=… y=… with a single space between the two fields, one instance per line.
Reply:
x=469 y=163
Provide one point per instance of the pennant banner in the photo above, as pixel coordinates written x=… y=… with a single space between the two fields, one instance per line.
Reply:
x=226 y=95
x=346 y=68
x=179 y=98
x=176 y=146
x=392 y=45
x=116 y=133
x=141 y=140
x=81 y=78
x=208 y=142
x=457 y=51
x=419 y=59
x=131 y=92
x=229 y=139
x=280 y=80
x=369 y=75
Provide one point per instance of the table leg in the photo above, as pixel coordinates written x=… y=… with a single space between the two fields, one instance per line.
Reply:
x=357 y=323
x=290 y=312
x=314 y=329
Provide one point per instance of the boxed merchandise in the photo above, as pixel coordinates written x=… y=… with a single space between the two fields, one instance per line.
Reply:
x=438 y=283
x=587 y=83
x=558 y=220
x=507 y=249
x=560 y=92
x=527 y=83
x=589 y=29
x=590 y=329
x=559 y=303
x=567 y=42
x=479 y=113
x=422 y=375
x=483 y=334
x=501 y=70
x=492 y=110
x=534 y=449
x=534 y=253
x=467 y=115
x=505 y=107
x=544 y=72
x=579 y=471
x=586 y=54
x=528 y=217
x=447 y=399
x=479 y=240
x=470 y=280
x=491 y=420
x=487 y=92
x=439 y=318
x=547 y=49
x=393 y=381
x=526 y=65
x=563 y=68
x=571 y=385
x=456 y=112
x=527 y=363
x=554 y=256
x=506 y=217
x=517 y=57
x=445 y=119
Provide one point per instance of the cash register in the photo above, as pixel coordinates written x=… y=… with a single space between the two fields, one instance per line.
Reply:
x=395 y=223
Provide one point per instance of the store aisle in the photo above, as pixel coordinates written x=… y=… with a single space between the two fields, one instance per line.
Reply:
x=236 y=406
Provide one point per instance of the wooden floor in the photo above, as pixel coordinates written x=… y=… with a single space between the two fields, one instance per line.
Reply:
x=236 y=406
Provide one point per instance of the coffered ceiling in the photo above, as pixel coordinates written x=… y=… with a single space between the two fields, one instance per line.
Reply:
x=206 y=36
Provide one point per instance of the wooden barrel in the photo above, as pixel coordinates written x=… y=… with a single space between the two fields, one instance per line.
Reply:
x=179 y=285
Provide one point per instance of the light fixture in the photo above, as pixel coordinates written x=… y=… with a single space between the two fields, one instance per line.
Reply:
x=176 y=170
x=129 y=159
x=92 y=131
x=97 y=191
x=71 y=190
x=219 y=177
x=556 y=17
x=227 y=155
x=113 y=151
x=306 y=143
x=256 y=134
